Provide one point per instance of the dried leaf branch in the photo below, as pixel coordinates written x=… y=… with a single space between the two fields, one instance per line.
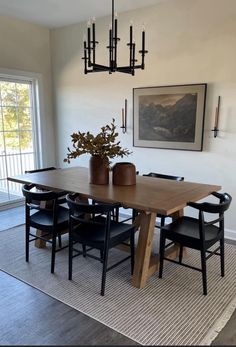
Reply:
x=103 y=144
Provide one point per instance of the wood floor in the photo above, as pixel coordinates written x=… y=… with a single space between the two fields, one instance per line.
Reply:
x=30 y=317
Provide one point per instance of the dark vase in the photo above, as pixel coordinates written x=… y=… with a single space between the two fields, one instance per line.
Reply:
x=124 y=174
x=98 y=170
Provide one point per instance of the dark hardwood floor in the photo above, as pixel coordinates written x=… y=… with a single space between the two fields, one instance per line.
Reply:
x=30 y=317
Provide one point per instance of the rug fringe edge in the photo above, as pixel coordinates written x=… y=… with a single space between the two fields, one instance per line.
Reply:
x=219 y=324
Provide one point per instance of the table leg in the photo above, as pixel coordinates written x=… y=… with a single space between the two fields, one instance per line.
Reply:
x=39 y=243
x=177 y=214
x=147 y=264
x=143 y=249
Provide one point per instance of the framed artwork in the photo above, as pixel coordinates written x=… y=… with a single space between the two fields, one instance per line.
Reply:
x=169 y=117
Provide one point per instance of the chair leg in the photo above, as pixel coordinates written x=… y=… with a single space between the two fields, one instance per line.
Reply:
x=101 y=256
x=104 y=271
x=84 y=250
x=117 y=214
x=132 y=251
x=161 y=253
x=134 y=215
x=222 y=257
x=27 y=231
x=70 y=257
x=54 y=240
x=162 y=221
x=204 y=275
x=59 y=239
x=180 y=253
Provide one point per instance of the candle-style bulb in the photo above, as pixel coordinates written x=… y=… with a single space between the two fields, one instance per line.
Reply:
x=84 y=37
x=131 y=22
x=93 y=20
x=143 y=27
x=89 y=23
x=116 y=15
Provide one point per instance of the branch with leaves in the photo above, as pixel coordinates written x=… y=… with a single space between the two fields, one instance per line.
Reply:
x=103 y=144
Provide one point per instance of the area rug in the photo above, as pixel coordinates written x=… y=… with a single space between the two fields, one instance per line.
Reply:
x=170 y=311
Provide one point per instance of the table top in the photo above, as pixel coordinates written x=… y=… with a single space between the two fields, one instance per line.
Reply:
x=149 y=194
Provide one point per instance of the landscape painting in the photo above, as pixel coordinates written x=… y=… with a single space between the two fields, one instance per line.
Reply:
x=169 y=117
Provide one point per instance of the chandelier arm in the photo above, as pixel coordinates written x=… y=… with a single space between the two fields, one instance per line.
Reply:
x=133 y=58
x=112 y=35
x=126 y=68
x=130 y=45
x=115 y=44
x=85 y=58
x=94 y=43
x=110 y=49
x=101 y=67
x=89 y=46
x=143 y=49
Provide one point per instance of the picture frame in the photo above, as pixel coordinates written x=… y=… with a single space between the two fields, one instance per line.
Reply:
x=169 y=117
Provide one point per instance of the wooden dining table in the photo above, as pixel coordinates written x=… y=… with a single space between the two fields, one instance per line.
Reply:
x=150 y=196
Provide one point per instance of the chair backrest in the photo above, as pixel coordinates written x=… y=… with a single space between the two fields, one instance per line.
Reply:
x=85 y=213
x=39 y=170
x=44 y=201
x=37 y=196
x=80 y=207
x=220 y=208
x=167 y=177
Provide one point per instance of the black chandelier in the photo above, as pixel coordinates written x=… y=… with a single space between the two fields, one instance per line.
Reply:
x=90 y=64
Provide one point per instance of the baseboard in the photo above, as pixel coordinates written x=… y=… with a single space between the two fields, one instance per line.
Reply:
x=10 y=204
x=230 y=234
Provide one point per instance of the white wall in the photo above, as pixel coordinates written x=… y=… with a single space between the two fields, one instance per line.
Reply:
x=189 y=41
x=26 y=47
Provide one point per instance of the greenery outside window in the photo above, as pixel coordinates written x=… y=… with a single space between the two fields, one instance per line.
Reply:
x=18 y=135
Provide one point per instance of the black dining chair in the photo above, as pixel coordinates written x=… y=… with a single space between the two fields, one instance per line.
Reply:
x=198 y=233
x=52 y=220
x=166 y=177
x=61 y=194
x=91 y=225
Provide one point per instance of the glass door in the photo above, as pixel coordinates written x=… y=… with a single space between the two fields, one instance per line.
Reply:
x=17 y=135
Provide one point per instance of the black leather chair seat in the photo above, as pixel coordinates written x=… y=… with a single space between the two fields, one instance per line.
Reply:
x=84 y=234
x=186 y=230
x=44 y=219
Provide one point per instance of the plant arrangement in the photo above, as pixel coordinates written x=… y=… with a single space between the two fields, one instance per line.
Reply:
x=103 y=144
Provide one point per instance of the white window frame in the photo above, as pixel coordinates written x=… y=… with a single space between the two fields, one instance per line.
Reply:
x=37 y=100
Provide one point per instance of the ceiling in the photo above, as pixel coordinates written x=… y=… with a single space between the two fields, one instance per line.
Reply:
x=57 y=13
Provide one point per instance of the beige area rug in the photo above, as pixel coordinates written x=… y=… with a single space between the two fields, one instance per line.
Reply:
x=171 y=311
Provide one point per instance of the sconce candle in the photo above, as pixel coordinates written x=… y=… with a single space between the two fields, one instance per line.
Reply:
x=217 y=118
x=124 y=118
x=217 y=114
x=125 y=114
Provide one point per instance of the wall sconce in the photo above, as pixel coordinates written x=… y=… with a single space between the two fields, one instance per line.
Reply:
x=216 y=129
x=124 y=118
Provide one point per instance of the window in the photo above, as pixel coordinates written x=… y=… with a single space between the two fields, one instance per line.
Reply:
x=18 y=135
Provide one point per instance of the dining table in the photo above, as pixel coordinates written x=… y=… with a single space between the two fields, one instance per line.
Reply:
x=149 y=196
